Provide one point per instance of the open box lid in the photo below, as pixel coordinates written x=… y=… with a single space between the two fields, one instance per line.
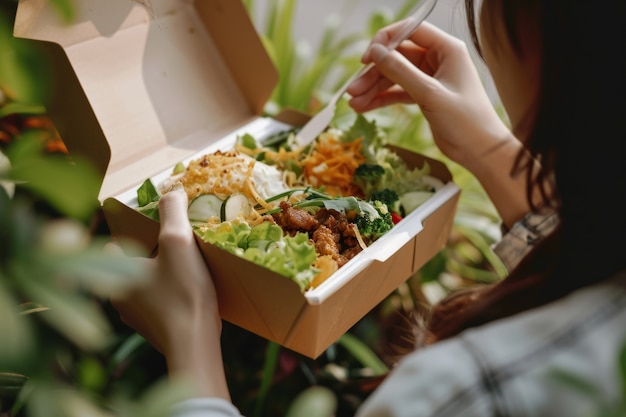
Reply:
x=137 y=94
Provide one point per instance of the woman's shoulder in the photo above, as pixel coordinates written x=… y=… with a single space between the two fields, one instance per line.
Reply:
x=518 y=363
x=586 y=312
x=529 y=357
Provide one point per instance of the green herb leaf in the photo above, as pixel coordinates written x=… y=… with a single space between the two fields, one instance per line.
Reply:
x=147 y=193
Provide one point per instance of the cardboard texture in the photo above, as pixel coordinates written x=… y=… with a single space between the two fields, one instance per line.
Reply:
x=137 y=94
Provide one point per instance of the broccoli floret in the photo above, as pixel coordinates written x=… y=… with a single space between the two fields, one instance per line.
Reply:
x=367 y=176
x=369 y=172
x=388 y=197
x=374 y=220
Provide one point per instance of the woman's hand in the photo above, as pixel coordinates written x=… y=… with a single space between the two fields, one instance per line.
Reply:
x=177 y=309
x=433 y=69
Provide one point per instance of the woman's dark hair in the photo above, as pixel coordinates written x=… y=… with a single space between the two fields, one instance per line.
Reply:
x=578 y=133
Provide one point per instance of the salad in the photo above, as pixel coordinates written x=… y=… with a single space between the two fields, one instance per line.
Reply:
x=300 y=212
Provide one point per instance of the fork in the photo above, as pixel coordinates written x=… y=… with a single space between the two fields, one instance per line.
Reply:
x=316 y=125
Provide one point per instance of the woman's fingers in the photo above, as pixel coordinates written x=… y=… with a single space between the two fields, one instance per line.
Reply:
x=374 y=89
x=429 y=36
x=404 y=75
x=398 y=69
x=178 y=250
x=374 y=100
x=173 y=216
x=368 y=90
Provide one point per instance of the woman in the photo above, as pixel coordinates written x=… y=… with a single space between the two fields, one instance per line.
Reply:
x=559 y=70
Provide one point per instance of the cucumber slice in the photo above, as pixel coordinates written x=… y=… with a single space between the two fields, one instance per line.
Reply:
x=434 y=182
x=413 y=199
x=203 y=207
x=234 y=206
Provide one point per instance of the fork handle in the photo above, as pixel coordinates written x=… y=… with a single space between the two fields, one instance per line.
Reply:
x=409 y=25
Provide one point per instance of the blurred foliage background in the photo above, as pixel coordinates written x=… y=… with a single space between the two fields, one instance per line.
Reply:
x=63 y=351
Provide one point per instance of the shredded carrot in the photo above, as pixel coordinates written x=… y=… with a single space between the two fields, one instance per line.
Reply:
x=332 y=164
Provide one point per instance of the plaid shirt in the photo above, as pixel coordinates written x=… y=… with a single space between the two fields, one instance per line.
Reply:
x=511 y=367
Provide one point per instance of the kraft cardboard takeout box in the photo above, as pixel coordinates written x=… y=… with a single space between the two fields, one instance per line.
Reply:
x=137 y=94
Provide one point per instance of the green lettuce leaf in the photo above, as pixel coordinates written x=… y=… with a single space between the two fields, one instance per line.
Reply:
x=265 y=245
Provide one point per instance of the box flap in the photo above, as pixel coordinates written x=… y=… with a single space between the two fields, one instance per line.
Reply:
x=155 y=90
x=137 y=95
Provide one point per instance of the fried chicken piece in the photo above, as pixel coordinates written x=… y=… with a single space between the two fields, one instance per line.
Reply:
x=293 y=219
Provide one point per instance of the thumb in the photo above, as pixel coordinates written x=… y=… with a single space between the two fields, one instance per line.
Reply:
x=173 y=213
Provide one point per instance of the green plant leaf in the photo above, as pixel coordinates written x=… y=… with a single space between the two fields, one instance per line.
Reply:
x=363 y=354
x=156 y=401
x=49 y=400
x=406 y=8
x=11 y=386
x=69 y=185
x=91 y=374
x=95 y=271
x=21 y=108
x=129 y=347
x=476 y=274
x=269 y=369
x=23 y=70
x=16 y=330
x=483 y=244
x=377 y=21
x=71 y=314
